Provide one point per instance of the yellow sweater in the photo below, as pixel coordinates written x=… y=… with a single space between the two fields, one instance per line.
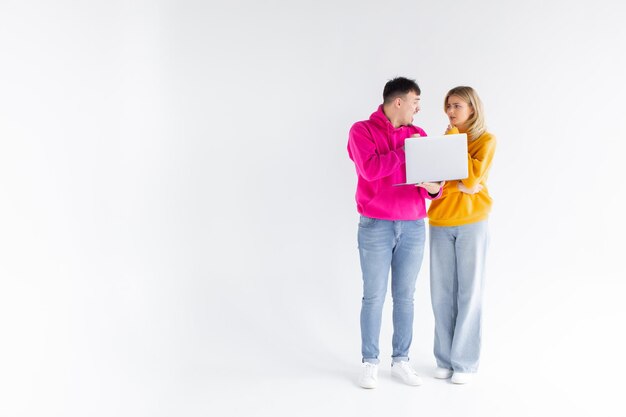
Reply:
x=455 y=208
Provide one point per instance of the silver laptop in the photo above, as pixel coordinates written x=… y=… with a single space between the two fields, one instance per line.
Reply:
x=435 y=158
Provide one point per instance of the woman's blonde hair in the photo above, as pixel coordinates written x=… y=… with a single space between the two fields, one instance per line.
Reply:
x=476 y=122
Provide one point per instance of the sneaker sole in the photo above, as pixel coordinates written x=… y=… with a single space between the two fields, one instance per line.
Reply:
x=412 y=384
x=461 y=381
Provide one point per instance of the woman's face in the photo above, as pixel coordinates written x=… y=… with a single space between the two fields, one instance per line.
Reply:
x=458 y=111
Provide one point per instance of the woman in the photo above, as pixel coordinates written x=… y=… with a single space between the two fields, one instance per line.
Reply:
x=458 y=244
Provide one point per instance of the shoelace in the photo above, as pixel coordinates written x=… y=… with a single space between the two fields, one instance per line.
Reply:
x=370 y=369
x=407 y=368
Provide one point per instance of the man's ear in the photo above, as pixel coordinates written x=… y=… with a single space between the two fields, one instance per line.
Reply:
x=398 y=101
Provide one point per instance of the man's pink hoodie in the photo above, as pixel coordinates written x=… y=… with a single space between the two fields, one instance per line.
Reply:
x=376 y=147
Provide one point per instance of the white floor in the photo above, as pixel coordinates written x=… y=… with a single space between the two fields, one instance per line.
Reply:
x=547 y=351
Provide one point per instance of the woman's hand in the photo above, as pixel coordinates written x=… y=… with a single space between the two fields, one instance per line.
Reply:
x=472 y=190
x=431 y=187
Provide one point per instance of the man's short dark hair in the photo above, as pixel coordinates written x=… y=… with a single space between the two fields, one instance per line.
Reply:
x=399 y=86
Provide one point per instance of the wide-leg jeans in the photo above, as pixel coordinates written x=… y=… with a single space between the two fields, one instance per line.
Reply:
x=457 y=274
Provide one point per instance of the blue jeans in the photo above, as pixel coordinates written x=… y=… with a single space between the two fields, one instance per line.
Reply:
x=457 y=273
x=384 y=245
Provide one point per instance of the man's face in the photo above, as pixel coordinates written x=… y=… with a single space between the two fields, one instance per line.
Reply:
x=409 y=106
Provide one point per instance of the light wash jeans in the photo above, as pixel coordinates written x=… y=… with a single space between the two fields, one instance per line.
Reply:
x=385 y=244
x=457 y=273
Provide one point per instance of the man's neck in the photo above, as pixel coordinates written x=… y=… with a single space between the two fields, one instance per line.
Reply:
x=393 y=119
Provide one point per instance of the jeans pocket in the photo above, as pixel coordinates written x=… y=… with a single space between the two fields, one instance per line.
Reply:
x=366 y=221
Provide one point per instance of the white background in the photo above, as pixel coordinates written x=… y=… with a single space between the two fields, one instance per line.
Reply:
x=177 y=215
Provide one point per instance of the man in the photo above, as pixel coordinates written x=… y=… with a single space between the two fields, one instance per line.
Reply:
x=391 y=227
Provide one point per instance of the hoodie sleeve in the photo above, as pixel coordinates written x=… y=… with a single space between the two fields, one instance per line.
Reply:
x=424 y=193
x=371 y=164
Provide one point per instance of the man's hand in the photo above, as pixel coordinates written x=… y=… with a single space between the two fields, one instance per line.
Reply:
x=415 y=135
x=472 y=190
x=431 y=187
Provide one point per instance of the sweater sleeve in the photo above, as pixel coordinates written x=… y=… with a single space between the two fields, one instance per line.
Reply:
x=451 y=186
x=480 y=162
x=370 y=164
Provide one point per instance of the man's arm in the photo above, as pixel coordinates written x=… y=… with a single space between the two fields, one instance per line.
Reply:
x=370 y=164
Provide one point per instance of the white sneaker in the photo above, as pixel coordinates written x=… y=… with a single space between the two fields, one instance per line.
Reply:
x=461 y=378
x=406 y=373
x=369 y=375
x=443 y=373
